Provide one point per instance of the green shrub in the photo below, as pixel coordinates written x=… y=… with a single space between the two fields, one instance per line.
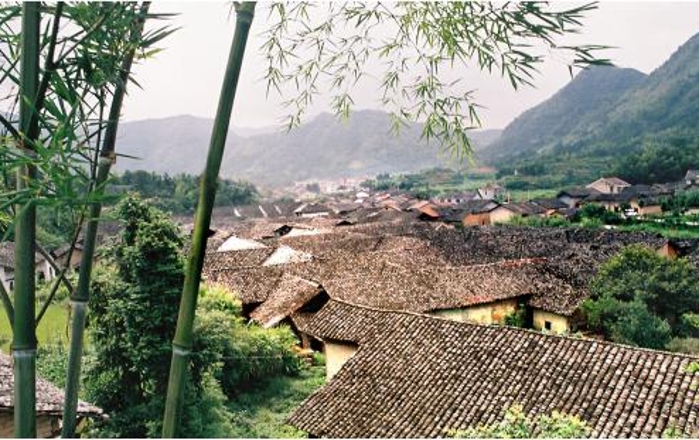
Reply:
x=518 y=318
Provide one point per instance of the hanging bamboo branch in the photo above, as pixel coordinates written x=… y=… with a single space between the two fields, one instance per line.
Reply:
x=81 y=295
x=182 y=344
x=24 y=334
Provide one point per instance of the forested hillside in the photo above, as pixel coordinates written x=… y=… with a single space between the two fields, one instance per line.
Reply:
x=605 y=126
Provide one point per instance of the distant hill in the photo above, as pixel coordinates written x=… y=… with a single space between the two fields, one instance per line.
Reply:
x=591 y=93
x=321 y=148
x=605 y=114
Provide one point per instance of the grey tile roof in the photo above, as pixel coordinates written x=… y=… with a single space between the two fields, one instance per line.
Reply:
x=49 y=398
x=288 y=296
x=418 y=376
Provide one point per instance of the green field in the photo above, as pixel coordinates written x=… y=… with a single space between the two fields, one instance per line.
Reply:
x=53 y=327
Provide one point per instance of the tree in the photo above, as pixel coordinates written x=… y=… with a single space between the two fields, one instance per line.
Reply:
x=497 y=37
x=641 y=298
x=133 y=319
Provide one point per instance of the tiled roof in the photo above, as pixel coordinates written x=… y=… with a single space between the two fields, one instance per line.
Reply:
x=616 y=181
x=252 y=285
x=288 y=296
x=49 y=398
x=418 y=376
x=7 y=254
x=524 y=208
x=551 y=203
x=217 y=261
x=577 y=192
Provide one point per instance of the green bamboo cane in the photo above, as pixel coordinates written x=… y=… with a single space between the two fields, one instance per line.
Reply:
x=182 y=343
x=24 y=334
x=81 y=295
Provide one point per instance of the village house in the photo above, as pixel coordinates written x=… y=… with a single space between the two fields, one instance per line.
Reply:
x=61 y=256
x=575 y=195
x=609 y=185
x=407 y=375
x=642 y=199
x=553 y=206
x=491 y=191
x=456 y=198
x=505 y=212
x=44 y=270
x=477 y=212
x=311 y=210
x=691 y=178
x=49 y=405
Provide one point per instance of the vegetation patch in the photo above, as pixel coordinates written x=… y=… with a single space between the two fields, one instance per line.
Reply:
x=262 y=412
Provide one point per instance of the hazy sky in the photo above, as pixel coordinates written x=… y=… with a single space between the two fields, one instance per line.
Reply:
x=186 y=77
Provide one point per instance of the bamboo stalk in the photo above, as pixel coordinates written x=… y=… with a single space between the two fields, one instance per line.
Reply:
x=24 y=334
x=182 y=343
x=81 y=295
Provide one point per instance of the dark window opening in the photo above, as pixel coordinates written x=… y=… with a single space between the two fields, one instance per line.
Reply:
x=547 y=325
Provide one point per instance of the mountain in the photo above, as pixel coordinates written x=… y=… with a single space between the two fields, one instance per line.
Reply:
x=323 y=148
x=591 y=93
x=608 y=112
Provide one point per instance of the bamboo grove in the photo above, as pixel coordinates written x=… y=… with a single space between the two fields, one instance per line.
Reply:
x=67 y=71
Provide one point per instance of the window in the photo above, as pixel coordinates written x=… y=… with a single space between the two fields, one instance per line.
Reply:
x=547 y=325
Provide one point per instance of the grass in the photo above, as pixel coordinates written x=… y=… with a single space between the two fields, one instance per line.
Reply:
x=525 y=195
x=262 y=412
x=664 y=230
x=52 y=329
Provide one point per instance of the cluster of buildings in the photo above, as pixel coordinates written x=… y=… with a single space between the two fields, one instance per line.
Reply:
x=410 y=314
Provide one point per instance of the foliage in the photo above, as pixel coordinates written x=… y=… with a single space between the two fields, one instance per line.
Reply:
x=244 y=355
x=414 y=42
x=517 y=424
x=684 y=345
x=178 y=194
x=518 y=318
x=133 y=322
x=672 y=432
x=262 y=412
x=51 y=363
x=133 y=319
x=640 y=298
x=682 y=201
x=593 y=211
x=660 y=160
x=53 y=328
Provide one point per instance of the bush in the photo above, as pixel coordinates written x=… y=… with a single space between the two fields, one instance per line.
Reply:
x=518 y=318
x=641 y=298
x=237 y=354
